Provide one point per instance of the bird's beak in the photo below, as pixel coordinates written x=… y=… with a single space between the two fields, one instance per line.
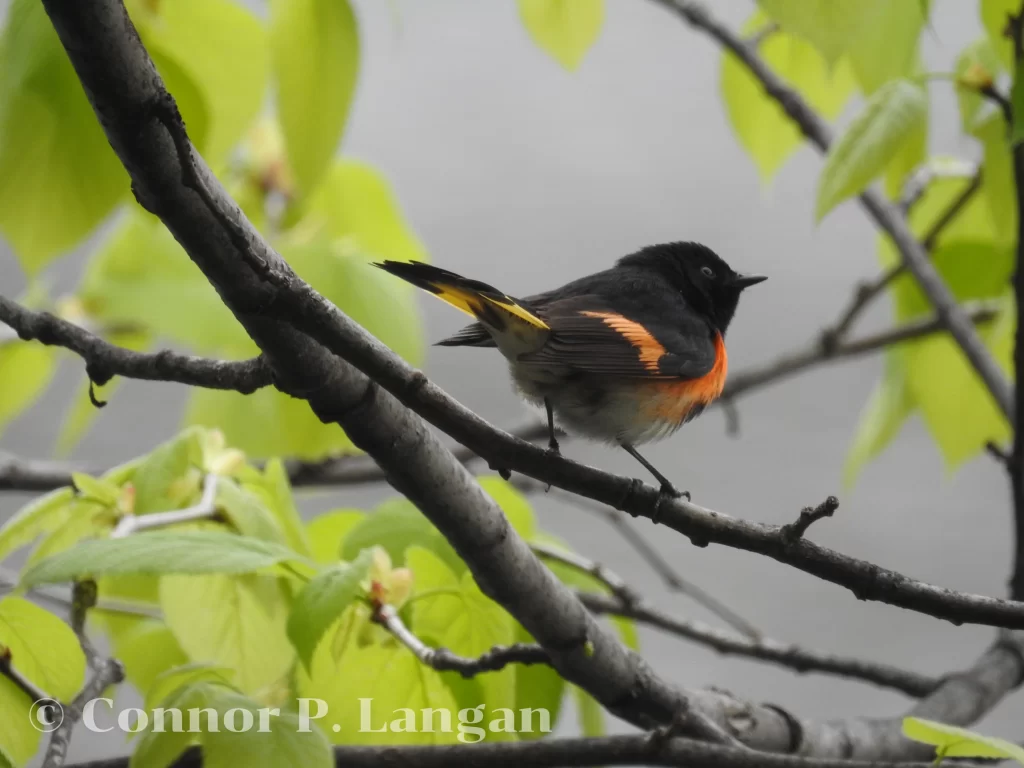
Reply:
x=745 y=281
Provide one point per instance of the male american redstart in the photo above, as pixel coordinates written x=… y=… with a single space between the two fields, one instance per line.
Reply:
x=624 y=356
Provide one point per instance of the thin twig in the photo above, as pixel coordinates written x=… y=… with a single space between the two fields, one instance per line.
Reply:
x=443 y=660
x=795 y=531
x=106 y=672
x=205 y=509
x=615 y=583
x=765 y=649
x=103 y=360
x=12 y=673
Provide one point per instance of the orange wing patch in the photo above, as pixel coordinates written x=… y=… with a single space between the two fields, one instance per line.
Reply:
x=648 y=347
x=672 y=401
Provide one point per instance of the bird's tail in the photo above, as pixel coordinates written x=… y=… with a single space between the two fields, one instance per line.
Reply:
x=495 y=311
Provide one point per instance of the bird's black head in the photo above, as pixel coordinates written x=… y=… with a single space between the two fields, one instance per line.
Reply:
x=710 y=285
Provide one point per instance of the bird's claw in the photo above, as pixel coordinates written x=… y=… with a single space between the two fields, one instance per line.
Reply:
x=669 y=491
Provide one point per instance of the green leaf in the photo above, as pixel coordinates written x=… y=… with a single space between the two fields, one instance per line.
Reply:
x=316 y=65
x=54 y=155
x=148 y=649
x=564 y=29
x=515 y=506
x=84 y=519
x=828 y=25
x=214 y=53
x=327 y=531
x=997 y=177
x=885 y=46
x=276 y=491
x=159 y=552
x=233 y=620
x=889 y=119
x=91 y=489
x=42 y=647
x=978 y=63
x=465 y=621
x=1017 y=104
x=246 y=512
x=141 y=277
x=763 y=129
x=322 y=601
x=160 y=744
x=950 y=741
x=882 y=418
x=397 y=525
x=540 y=688
x=911 y=155
x=589 y=712
x=283 y=745
x=19 y=741
x=82 y=413
x=169 y=477
x=994 y=16
x=42 y=515
x=168 y=682
x=26 y=367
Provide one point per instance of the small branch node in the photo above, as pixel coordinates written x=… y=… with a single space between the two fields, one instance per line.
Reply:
x=795 y=531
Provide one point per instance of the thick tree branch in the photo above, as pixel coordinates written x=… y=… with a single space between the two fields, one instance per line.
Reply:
x=764 y=648
x=559 y=753
x=1015 y=464
x=886 y=216
x=103 y=360
x=143 y=126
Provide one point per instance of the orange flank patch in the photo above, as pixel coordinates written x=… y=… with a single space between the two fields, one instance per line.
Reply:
x=672 y=401
x=648 y=347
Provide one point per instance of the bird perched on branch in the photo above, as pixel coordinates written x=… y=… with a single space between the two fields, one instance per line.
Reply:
x=624 y=356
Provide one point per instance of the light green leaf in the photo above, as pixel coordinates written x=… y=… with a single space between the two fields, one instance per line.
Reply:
x=466 y=621
x=213 y=49
x=951 y=741
x=276 y=490
x=19 y=741
x=885 y=46
x=283 y=745
x=908 y=158
x=540 y=688
x=998 y=187
x=977 y=64
x=889 y=119
x=171 y=680
x=322 y=601
x=828 y=25
x=53 y=153
x=84 y=520
x=42 y=648
x=564 y=29
x=346 y=670
x=994 y=16
x=1017 y=104
x=141 y=277
x=26 y=368
x=169 y=477
x=159 y=552
x=82 y=413
x=767 y=134
x=589 y=713
x=316 y=65
x=232 y=620
x=246 y=512
x=44 y=514
x=515 y=506
x=882 y=418
x=90 y=489
x=327 y=531
x=160 y=744
x=147 y=650
x=397 y=525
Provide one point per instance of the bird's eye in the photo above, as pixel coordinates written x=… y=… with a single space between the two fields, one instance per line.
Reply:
x=707 y=272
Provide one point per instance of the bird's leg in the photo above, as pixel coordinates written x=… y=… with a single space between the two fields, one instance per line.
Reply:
x=552 y=442
x=667 y=488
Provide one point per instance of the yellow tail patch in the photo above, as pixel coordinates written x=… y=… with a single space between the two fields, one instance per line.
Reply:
x=472 y=303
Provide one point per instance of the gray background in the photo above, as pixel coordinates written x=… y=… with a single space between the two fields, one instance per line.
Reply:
x=517 y=173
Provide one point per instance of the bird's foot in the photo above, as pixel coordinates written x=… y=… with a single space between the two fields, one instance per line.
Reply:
x=553 y=447
x=667 y=491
